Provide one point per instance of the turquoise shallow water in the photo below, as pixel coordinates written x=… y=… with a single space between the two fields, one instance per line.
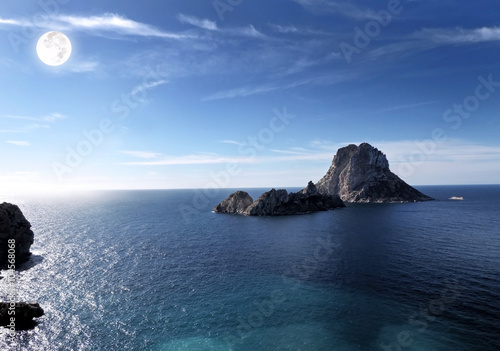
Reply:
x=132 y=270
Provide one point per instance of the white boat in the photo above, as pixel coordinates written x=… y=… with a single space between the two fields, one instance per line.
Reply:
x=456 y=198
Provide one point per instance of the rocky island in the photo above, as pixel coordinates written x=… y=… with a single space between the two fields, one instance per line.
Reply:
x=279 y=202
x=357 y=174
x=361 y=174
x=24 y=314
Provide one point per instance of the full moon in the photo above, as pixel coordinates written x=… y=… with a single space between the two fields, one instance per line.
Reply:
x=53 y=48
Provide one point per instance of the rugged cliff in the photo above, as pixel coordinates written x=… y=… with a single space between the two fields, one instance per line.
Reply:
x=13 y=225
x=361 y=174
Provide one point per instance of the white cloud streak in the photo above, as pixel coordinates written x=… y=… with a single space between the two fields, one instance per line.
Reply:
x=239 y=92
x=345 y=9
x=284 y=29
x=248 y=31
x=232 y=142
x=142 y=154
x=82 y=67
x=404 y=107
x=108 y=22
x=11 y=22
x=197 y=22
x=18 y=143
x=198 y=159
x=460 y=35
x=50 y=118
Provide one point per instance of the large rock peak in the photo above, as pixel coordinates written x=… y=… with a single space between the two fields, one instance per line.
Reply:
x=369 y=155
x=361 y=174
x=363 y=155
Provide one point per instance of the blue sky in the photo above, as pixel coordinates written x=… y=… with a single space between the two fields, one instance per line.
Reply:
x=198 y=94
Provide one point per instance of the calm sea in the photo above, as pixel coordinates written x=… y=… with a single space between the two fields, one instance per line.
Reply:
x=157 y=270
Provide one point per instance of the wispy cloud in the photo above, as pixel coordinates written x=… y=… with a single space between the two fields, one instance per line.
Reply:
x=15 y=22
x=86 y=66
x=292 y=29
x=50 y=118
x=240 y=92
x=142 y=154
x=197 y=22
x=42 y=122
x=345 y=9
x=404 y=107
x=152 y=85
x=54 y=117
x=116 y=23
x=18 y=143
x=460 y=35
x=197 y=159
x=451 y=150
x=284 y=29
x=253 y=90
x=293 y=151
x=248 y=31
x=429 y=38
x=38 y=126
x=233 y=142
x=137 y=90
x=108 y=22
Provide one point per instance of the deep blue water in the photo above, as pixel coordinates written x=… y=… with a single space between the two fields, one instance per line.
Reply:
x=137 y=270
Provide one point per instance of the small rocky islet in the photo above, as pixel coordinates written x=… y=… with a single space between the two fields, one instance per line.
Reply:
x=279 y=202
x=357 y=174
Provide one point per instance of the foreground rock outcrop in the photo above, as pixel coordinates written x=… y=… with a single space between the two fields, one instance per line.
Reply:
x=279 y=203
x=361 y=174
x=23 y=316
x=13 y=225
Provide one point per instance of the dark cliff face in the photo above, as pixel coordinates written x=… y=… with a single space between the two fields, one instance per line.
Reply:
x=361 y=174
x=13 y=225
x=279 y=203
